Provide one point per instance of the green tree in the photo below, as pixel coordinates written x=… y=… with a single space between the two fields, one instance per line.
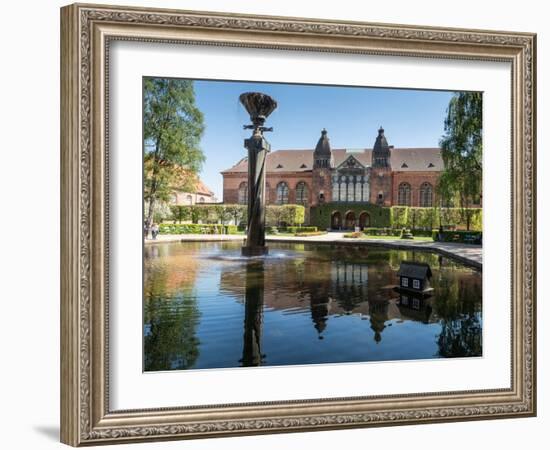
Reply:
x=223 y=213
x=461 y=150
x=173 y=127
x=180 y=213
x=238 y=213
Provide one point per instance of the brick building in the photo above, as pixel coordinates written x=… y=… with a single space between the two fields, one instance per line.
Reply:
x=383 y=176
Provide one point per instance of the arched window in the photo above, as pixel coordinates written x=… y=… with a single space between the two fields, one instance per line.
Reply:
x=301 y=193
x=174 y=198
x=426 y=195
x=282 y=193
x=404 y=194
x=201 y=200
x=243 y=193
x=188 y=200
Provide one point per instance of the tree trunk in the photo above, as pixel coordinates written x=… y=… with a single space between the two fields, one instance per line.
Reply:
x=153 y=190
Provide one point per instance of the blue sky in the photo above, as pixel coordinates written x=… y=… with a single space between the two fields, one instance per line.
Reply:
x=351 y=115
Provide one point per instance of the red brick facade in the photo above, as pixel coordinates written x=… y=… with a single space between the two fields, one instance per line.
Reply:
x=415 y=180
x=382 y=181
x=326 y=171
x=232 y=182
x=381 y=192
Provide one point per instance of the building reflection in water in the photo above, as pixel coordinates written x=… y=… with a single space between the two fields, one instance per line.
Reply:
x=213 y=314
x=349 y=284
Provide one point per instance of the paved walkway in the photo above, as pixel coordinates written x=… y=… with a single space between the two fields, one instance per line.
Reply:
x=471 y=255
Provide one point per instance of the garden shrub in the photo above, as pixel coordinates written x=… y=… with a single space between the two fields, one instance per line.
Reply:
x=470 y=237
x=310 y=233
x=194 y=228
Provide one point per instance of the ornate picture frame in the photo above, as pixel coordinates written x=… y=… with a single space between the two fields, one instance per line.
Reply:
x=86 y=34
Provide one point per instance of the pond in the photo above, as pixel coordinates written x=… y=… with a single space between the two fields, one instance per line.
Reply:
x=206 y=307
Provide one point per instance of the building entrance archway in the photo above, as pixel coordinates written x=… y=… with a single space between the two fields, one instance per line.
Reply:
x=336 y=220
x=364 y=220
x=350 y=220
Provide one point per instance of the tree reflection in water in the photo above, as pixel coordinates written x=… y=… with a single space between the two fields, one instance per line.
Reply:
x=461 y=327
x=309 y=307
x=171 y=316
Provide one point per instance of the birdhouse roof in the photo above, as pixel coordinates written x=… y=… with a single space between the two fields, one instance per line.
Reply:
x=414 y=270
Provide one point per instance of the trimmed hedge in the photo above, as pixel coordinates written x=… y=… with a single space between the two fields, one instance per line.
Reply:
x=309 y=233
x=429 y=218
x=297 y=229
x=413 y=218
x=382 y=231
x=193 y=228
x=320 y=216
x=423 y=233
x=467 y=237
x=219 y=213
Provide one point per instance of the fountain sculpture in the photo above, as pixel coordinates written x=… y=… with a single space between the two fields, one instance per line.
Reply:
x=259 y=106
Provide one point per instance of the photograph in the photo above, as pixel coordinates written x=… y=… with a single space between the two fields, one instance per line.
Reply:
x=297 y=224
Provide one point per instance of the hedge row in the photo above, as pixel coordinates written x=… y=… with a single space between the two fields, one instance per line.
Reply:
x=193 y=228
x=467 y=237
x=430 y=218
x=413 y=218
x=382 y=231
x=297 y=229
x=215 y=213
x=310 y=233
x=320 y=215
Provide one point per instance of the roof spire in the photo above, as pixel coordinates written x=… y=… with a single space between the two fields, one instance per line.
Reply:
x=381 y=150
x=322 y=156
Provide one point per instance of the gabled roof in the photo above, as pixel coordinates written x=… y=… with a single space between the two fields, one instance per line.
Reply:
x=413 y=269
x=351 y=161
x=184 y=177
x=415 y=160
x=289 y=160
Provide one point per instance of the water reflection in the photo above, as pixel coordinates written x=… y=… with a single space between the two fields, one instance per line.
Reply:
x=311 y=304
x=253 y=314
x=171 y=312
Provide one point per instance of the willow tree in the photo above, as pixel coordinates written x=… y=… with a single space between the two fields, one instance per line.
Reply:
x=461 y=150
x=172 y=129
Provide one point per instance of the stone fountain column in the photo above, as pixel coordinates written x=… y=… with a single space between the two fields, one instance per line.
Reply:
x=259 y=106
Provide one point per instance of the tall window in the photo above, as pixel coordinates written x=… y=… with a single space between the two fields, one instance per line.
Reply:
x=404 y=194
x=174 y=198
x=426 y=195
x=282 y=193
x=301 y=193
x=188 y=200
x=243 y=193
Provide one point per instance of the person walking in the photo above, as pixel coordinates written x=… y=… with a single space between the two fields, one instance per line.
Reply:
x=155 y=231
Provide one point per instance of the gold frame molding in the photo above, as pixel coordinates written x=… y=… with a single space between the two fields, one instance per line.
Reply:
x=86 y=31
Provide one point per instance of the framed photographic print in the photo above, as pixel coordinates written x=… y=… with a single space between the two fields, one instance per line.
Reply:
x=276 y=224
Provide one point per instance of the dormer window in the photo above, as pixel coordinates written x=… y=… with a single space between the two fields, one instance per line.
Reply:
x=404 y=166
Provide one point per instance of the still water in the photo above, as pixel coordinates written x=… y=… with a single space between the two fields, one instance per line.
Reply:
x=206 y=307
